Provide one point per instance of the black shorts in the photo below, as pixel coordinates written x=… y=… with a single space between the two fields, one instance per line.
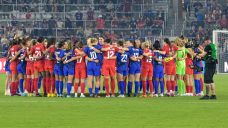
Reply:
x=210 y=69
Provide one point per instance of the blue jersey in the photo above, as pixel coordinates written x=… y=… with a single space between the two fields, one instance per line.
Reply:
x=63 y=54
x=58 y=54
x=99 y=55
x=159 y=56
x=22 y=53
x=93 y=55
x=135 y=52
x=123 y=59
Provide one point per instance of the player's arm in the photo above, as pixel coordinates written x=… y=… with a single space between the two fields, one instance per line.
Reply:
x=64 y=57
x=161 y=52
x=16 y=55
x=91 y=60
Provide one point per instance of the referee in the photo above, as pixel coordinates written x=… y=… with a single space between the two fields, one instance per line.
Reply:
x=210 y=59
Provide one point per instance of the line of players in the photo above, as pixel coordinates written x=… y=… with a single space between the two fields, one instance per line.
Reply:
x=128 y=62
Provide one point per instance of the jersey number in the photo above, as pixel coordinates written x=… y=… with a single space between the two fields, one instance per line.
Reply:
x=124 y=58
x=110 y=54
x=38 y=53
x=93 y=55
x=79 y=60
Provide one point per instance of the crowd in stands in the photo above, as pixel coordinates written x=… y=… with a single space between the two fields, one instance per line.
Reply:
x=80 y=18
x=207 y=17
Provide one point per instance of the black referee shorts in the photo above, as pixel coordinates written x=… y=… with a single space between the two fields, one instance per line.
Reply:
x=210 y=69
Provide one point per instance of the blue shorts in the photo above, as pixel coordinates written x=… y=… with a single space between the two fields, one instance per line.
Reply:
x=68 y=70
x=93 y=70
x=134 y=70
x=158 y=71
x=7 y=67
x=123 y=70
x=58 y=70
x=21 y=68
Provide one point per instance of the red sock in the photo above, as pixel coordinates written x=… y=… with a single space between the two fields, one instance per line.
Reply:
x=32 y=86
x=168 y=85
x=106 y=82
x=35 y=85
x=12 y=88
x=113 y=86
x=173 y=85
x=53 y=85
x=46 y=86
x=82 y=88
x=151 y=86
x=144 y=87
x=16 y=86
x=202 y=84
x=27 y=84
x=191 y=89
x=76 y=88
x=187 y=89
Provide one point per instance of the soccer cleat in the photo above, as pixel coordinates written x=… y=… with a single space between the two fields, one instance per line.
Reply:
x=75 y=95
x=82 y=96
x=38 y=95
x=91 y=95
x=202 y=94
x=23 y=94
x=213 y=97
x=53 y=95
x=68 y=96
x=60 y=95
x=121 y=96
x=144 y=96
x=151 y=95
x=156 y=95
x=113 y=96
x=48 y=95
x=206 y=97
x=161 y=95
x=96 y=96
x=107 y=96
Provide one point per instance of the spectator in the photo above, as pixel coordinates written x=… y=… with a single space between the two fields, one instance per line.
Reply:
x=110 y=6
x=79 y=16
x=114 y=21
x=197 y=5
x=223 y=22
x=200 y=18
x=100 y=24
x=140 y=23
x=90 y=14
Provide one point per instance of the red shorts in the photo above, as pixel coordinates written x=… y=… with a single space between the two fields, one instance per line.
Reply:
x=13 y=68
x=38 y=66
x=29 y=70
x=147 y=71
x=108 y=70
x=49 y=67
x=80 y=73
x=170 y=70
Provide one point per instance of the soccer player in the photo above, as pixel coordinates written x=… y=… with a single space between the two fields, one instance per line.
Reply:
x=197 y=71
x=58 y=69
x=29 y=68
x=170 y=67
x=8 y=74
x=13 y=53
x=189 y=74
x=93 y=65
x=49 y=67
x=69 y=65
x=109 y=66
x=80 y=69
x=147 y=69
x=158 y=69
x=135 y=66
x=21 y=67
x=38 y=55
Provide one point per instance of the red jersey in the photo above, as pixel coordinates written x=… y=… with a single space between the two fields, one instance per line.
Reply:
x=108 y=54
x=29 y=63
x=12 y=52
x=47 y=56
x=80 y=62
x=168 y=50
x=145 y=60
x=37 y=50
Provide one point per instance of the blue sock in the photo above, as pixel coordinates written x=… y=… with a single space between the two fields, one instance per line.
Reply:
x=137 y=84
x=196 y=86
x=198 y=81
x=96 y=90
x=21 y=85
x=156 y=86
x=57 y=86
x=61 y=87
x=90 y=91
x=153 y=83
x=40 y=81
x=140 y=85
x=162 y=86
x=124 y=86
x=121 y=84
x=129 y=88
x=199 y=86
x=69 y=86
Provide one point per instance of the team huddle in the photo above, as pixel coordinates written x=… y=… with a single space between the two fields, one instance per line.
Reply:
x=157 y=70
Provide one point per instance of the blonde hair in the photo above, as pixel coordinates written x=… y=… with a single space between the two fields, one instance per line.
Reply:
x=69 y=44
x=92 y=41
x=146 y=44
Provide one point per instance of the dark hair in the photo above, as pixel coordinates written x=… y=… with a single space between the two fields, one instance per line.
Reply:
x=79 y=44
x=157 y=45
x=108 y=41
x=34 y=42
x=51 y=42
x=13 y=42
x=120 y=43
x=61 y=43
x=167 y=41
x=40 y=39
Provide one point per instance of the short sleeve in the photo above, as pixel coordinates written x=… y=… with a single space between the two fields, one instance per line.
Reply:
x=140 y=52
x=85 y=50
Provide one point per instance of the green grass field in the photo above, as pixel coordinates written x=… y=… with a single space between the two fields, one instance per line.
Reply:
x=169 y=112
